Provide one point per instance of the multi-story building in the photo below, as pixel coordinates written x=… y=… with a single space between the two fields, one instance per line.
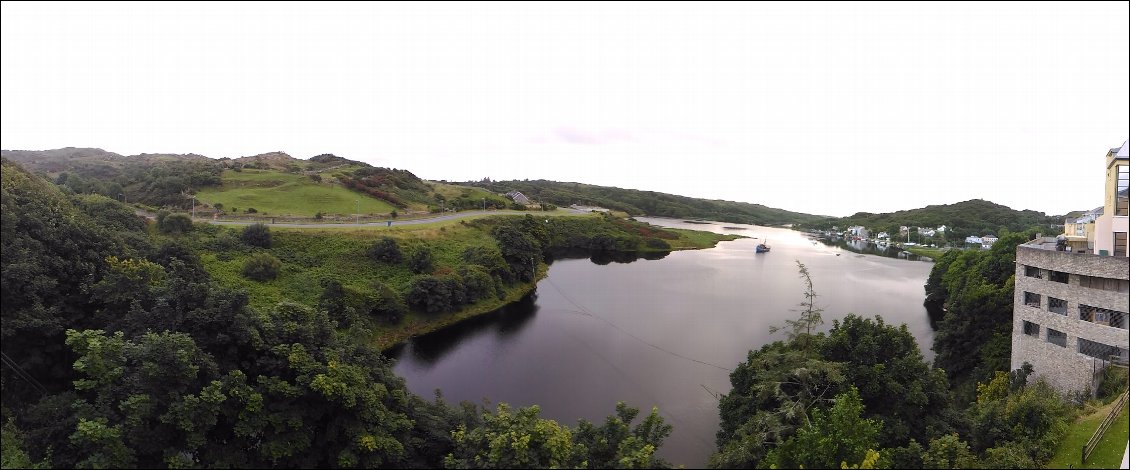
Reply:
x=1112 y=226
x=1070 y=307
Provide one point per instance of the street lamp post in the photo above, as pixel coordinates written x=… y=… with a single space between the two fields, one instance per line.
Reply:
x=484 y=203
x=193 y=207
x=357 y=207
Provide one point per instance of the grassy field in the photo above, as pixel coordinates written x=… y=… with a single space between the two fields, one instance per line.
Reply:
x=932 y=253
x=309 y=255
x=454 y=191
x=1109 y=452
x=278 y=193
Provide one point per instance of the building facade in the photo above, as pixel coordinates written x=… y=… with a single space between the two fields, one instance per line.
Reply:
x=1111 y=228
x=1070 y=307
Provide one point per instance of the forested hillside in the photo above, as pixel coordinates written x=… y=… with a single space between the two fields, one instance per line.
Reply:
x=974 y=217
x=121 y=351
x=652 y=203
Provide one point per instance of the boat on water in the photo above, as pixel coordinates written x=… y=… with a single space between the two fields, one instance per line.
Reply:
x=762 y=248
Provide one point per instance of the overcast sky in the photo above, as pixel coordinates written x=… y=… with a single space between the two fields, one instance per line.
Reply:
x=818 y=108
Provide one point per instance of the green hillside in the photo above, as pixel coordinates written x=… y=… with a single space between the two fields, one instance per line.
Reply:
x=273 y=192
x=973 y=217
x=637 y=202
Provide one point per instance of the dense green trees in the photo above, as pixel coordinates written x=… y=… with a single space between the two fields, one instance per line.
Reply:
x=520 y=439
x=975 y=288
x=974 y=217
x=890 y=408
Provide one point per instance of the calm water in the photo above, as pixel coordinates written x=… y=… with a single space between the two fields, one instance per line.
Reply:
x=660 y=332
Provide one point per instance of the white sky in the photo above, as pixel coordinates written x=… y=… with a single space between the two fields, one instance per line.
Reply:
x=819 y=108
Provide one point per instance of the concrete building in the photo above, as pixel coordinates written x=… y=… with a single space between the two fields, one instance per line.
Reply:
x=1070 y=307
x=1111 y=228
x=1069 y=313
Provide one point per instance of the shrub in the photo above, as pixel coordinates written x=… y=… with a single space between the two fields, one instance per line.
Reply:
x=386 y=250
x=256 y=235
x=658 y=243
x=251 y=210
x=421 y=261
x=175 y=223
x=262 y=267
x=435 y=294
x=477 y=283
x=385 y=304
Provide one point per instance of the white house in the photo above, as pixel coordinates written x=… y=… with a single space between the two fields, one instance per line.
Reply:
x=925 y=232
x=859 y=231
x=942 y=228
x=903 y=229
x=987 y=241
x=883 y=235
x=973 y=240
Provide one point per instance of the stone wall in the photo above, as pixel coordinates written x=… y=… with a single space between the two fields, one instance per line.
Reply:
x=1065 y=367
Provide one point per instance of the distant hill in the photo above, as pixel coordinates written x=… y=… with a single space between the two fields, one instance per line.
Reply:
x=636 y=202
x=274 y=182
x=973 y=217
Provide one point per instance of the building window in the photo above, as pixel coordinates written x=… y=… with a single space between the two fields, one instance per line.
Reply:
x=1102 y=316
x=1057 y=337
x=1031 y=329
x=1057 y=306
x=1032 y=271
x=1098 y=350
x=1057 y=276
x=1032 y=300
x=1104 y=283
x=1120 y=244
x=1122 y=204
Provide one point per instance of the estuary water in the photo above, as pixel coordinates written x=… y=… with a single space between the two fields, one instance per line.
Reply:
x=660 y=332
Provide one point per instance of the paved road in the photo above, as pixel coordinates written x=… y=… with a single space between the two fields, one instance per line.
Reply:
x=382 y=222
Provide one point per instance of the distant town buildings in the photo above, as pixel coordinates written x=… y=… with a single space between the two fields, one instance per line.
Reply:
x=1070 y=306
x=859 y=231
x=987 y=241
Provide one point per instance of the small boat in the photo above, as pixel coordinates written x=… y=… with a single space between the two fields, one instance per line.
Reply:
x=762 y=248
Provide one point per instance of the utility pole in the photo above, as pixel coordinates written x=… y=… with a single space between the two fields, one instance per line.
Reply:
x=193 y=207
x=357 y=207
x=484 y=203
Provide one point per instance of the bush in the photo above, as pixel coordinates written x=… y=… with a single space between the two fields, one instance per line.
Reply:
x=421 y=261
x=175 y=223
x=477 y=282
x=262 y=267
x=657 y=243
x=251 y=210
x=386 y=250
x=385 y=304
x=257 y=235
x=435 y=294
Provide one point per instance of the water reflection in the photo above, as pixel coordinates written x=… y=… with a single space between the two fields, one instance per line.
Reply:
x=869 y=248
x=604 y=257
x=505 y=322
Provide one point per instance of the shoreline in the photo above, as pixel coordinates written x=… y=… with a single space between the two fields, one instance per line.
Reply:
x=385 y=338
